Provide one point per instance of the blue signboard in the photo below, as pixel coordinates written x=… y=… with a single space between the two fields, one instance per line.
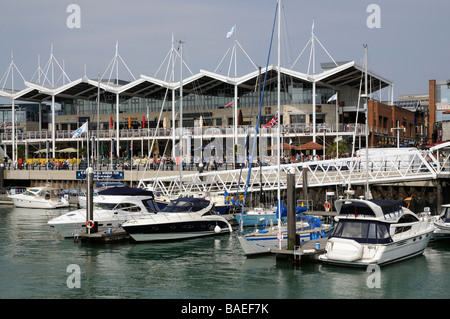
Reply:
x=101 y=175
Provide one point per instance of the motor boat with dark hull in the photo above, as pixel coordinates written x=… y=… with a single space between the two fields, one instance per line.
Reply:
x=112 y=207
x=183 y=218
x=376 y=232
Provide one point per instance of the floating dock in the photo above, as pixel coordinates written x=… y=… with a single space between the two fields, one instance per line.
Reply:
x=114 y=235
x=307 y=252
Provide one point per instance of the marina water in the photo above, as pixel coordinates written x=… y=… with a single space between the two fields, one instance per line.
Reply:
x=35 y=262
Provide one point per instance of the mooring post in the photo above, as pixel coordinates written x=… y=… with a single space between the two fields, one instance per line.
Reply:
x=305 y=184
x=291 y=210
x=90 y=199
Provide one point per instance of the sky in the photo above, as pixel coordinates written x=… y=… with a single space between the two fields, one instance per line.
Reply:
x=407 y=40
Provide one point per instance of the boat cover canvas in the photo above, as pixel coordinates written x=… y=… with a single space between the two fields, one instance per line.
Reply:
x=126 y=191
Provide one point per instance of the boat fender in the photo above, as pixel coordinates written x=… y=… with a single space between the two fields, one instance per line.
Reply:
x=217 y=229
x=90 y=224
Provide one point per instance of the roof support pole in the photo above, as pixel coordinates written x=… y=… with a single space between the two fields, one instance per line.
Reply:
x=117 y=125
x=13 y=132
x=53 y=127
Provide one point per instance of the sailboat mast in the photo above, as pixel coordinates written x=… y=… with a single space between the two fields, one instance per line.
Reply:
x=181 y=117
x=279 y=122
x=366 y=106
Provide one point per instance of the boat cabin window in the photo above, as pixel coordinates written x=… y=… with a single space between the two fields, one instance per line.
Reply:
x=151 y=205
x=130 y=207
x=362 y=231
x=407 y=218
x=30 y=192
x=107 y=206
x=184 y=206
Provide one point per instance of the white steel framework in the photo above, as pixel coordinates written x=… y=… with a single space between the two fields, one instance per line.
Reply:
x=397 y=165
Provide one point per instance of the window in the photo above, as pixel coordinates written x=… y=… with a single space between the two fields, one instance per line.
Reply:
x=298 y=119
x=362 y=231
x=407 y=218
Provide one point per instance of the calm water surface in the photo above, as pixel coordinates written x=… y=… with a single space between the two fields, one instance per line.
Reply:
x=34 y=262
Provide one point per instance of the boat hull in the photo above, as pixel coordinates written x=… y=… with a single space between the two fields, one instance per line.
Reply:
x=260 y=244
x=442 y=230
x=72 y=223
x=176 y=230
x=23 y=202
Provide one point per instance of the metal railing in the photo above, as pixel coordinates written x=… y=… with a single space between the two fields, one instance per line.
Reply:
x=394 y=166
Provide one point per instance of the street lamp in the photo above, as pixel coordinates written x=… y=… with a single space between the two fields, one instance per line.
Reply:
x=398 y=133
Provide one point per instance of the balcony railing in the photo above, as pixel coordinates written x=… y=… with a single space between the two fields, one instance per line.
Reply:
x=296 y=129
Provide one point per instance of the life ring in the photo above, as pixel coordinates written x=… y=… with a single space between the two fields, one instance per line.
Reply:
x=327 y=206
x=90 y=224
x=280 y=237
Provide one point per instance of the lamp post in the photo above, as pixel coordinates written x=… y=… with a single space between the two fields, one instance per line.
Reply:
x=398 y=128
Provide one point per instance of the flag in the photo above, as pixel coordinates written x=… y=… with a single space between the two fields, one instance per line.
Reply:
x=312 y=29
x=229 y=104
x=333 y=98
x=272 y=122
x=82 y=129
x=230 y=33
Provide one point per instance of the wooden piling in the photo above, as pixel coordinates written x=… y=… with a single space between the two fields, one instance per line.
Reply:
x=291 y=202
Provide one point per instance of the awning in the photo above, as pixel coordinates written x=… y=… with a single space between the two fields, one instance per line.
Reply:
x=310 y=146
x=284 y=146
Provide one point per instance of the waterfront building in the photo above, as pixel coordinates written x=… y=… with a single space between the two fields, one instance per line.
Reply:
x=128 y=112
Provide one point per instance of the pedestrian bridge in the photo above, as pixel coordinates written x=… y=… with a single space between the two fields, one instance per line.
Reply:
x=381 y=166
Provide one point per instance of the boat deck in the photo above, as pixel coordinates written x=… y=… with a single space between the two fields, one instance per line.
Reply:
x=116 y=235
x=306 y=252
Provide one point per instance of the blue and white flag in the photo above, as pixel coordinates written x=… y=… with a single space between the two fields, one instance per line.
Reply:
x=82 y=129
x=333 y=98
x=230 y=33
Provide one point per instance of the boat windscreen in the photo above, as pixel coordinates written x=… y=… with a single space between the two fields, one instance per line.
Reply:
x=362 y=231
x=356 y=208
x=186 y=205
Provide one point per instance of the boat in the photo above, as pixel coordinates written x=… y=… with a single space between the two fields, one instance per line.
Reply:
x=221 y=205
x=442 y=223
x=376 y=232
x=183 y=218
x=101 y=185
x=262 y=216
x=261 y=241
x=40 y=197
x=112 y=207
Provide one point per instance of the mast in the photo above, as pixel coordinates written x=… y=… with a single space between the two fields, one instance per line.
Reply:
x=366 y=107
x=279 y=123
x=181 y=117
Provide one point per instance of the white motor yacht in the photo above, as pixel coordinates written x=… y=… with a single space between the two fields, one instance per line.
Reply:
x=112 y=207
x=40 y=197
x=183 y=218
x=442 y=223
x=376 y=232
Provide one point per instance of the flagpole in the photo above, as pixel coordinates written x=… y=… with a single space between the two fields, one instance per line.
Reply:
x=279 y=124
x=337 y=126
x=87 y=141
